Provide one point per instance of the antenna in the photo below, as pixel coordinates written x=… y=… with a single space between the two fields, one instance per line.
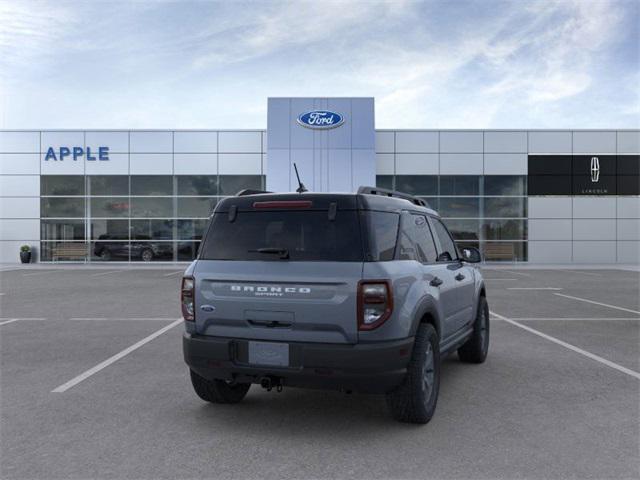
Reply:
x=301 y=188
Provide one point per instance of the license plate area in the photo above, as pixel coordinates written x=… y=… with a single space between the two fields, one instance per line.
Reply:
x=269 y=353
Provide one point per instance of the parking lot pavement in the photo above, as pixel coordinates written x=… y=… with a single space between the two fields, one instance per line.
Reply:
x=557 y=400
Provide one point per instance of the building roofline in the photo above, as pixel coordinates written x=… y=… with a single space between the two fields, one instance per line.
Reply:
x=264 y=130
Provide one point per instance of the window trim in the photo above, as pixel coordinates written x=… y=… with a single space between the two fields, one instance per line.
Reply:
x=426 y=216
x=433 y=219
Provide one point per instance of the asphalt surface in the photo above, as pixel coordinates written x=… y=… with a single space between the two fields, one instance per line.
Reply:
x=561 y=401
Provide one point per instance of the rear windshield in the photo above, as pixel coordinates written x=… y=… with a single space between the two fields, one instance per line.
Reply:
x=285 y=236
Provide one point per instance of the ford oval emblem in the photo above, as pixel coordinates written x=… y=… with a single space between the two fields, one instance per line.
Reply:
x=320 y=119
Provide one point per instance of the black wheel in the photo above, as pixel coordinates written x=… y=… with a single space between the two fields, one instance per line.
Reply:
x=147 y=255
x=105 y=255
x=218 y=391
x=415 y=400
x=476 y=348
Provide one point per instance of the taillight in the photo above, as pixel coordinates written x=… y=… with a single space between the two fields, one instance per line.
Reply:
x=186 y=298
x=375 y=303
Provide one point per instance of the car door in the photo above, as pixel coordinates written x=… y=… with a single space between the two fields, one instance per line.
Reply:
x=416 y=243
x=457 y=274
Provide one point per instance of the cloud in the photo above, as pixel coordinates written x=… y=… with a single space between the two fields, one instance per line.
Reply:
x=278 y=26
x=437 y=64
x=30 y=29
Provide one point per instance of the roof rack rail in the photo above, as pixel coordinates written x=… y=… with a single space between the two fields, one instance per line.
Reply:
x=392 y=193
x=249 y=191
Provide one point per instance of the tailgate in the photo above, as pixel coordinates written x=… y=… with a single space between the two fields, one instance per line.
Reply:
x=279 y=301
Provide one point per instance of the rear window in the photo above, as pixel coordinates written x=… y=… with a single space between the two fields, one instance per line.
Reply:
x=306 y=235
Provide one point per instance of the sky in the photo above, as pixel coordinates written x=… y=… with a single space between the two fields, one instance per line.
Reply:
x=436 y=64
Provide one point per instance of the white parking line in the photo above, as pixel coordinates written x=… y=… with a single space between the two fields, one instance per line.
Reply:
x=573 y=319
x=135 y=319
x=11 y=320
x=578 y=272
x=83 y=376
x=573 y=348
x=172 y=273
x=597 y=303
x=534 y=288
x=39 y=273
x=500 y=279
x=105 y=273
x=518 y=273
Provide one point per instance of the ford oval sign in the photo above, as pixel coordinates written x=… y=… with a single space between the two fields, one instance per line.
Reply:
x=320 y=119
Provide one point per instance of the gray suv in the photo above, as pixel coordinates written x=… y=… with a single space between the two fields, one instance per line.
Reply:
x=361 y=292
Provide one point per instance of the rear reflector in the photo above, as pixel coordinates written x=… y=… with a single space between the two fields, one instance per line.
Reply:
x=284 y=204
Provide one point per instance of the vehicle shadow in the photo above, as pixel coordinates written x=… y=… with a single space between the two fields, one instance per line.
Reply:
x=296 y=411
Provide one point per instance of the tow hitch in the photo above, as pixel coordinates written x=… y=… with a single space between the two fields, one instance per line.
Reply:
x=268 y=383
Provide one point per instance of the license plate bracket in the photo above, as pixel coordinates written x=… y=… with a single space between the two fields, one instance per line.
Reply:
x=269 y=353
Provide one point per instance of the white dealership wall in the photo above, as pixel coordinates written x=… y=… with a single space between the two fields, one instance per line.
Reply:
x=138 y=152
x=561 y=229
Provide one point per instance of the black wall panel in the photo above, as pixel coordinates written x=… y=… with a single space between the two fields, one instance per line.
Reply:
x=628 y=164
x=549 y=164
x=628 y=185
x=573 y=175
x=583 y=185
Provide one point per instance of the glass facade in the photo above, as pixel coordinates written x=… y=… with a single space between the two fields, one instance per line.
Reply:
x=137 y=218
x=488 y=212
x=521 y=195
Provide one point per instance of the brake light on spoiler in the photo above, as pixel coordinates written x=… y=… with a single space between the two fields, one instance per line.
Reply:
x=283 y=204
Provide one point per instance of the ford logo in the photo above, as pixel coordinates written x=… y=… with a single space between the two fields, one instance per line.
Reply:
x=320 y=119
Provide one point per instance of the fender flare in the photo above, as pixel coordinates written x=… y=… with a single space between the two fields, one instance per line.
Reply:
x=426 y=306
x=480 y=291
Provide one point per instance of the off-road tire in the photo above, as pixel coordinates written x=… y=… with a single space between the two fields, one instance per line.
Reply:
x=475 y=349
x=414 y=401
x=218 y=391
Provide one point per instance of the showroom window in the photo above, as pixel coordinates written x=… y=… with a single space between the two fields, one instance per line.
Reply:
x=487 y=212
x=137 y=218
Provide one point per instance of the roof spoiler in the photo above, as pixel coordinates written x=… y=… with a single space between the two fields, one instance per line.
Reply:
x=392 y=193
x=249 y=191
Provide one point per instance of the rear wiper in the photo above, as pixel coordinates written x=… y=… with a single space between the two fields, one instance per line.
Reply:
x=283 y=252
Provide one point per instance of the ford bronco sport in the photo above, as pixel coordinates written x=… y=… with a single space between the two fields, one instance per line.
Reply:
x=357 y=292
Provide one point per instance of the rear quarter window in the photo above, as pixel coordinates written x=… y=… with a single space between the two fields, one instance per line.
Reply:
x=383 y=234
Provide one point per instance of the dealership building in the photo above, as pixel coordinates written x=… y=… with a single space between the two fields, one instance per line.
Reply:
x=538 y=196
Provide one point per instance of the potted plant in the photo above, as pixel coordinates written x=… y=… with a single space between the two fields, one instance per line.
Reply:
x=25 y=254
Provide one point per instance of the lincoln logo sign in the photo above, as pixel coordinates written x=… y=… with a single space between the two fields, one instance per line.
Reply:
x=595 y=169
x=77 y=152
x=320 y=119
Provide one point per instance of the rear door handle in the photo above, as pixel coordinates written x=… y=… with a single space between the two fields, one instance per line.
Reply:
x=459 y=277
x=436 y=282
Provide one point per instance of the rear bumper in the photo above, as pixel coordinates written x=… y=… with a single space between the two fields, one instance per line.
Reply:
x=368 y=368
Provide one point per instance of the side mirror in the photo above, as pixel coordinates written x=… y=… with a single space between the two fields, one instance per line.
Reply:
x=444 y=257
x=471 y=255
